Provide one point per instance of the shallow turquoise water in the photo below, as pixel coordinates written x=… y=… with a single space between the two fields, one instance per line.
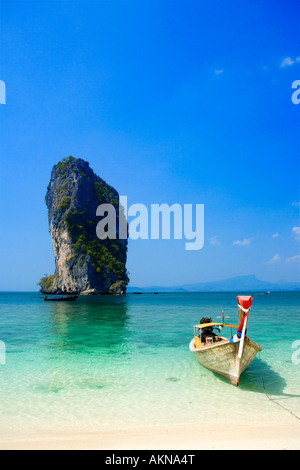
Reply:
x=110 y=363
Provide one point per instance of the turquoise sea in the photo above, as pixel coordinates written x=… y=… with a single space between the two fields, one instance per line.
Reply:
x=111 y=363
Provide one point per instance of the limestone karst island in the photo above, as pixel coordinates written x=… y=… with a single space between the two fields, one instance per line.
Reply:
x=84 y=264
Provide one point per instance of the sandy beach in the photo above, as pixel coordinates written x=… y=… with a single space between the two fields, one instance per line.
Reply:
x=183 y=437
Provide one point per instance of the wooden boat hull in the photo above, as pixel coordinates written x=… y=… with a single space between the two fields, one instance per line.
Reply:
x=222 y=357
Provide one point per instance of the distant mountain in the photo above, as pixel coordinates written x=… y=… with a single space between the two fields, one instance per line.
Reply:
x=238 y=283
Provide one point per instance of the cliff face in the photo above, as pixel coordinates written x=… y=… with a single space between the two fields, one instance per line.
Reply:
x=83 y=263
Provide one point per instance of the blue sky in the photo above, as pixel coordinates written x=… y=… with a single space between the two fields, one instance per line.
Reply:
x=170 y=101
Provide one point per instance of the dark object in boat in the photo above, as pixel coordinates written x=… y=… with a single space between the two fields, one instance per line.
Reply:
x=208 y=331
x=60 y=299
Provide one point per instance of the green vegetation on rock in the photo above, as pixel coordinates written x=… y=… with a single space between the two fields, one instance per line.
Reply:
x=46 y=282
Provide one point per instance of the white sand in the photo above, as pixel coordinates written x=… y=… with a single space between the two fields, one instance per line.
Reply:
x=183 y=437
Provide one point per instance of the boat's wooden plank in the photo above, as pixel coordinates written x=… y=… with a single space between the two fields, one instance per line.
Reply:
x=222 y=358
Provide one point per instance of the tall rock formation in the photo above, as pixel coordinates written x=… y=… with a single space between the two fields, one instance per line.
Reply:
x=83 y=263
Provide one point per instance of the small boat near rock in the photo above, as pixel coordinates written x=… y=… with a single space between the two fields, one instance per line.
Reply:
x=226 y=357
x=60 y=299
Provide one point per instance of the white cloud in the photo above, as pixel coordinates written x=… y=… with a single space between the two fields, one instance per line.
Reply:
x=214 y=240
x=287 y=62
x=276 y=258
x=296 y=231
x=275 y=235
x=245 y=241
x=219 y=71
x=293 y=258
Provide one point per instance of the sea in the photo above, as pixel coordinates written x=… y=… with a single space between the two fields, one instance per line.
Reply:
x=110 y=363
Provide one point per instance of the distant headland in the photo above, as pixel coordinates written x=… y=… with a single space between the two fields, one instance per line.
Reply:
x=233 y=284
x=83 y=263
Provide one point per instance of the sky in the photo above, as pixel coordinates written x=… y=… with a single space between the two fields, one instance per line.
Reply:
x=170 y=101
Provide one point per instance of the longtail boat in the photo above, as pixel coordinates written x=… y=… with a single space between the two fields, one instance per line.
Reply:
x=60 y=299
x=226 y=357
